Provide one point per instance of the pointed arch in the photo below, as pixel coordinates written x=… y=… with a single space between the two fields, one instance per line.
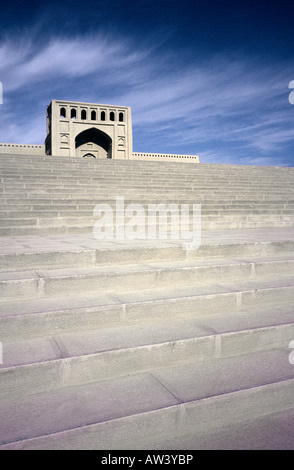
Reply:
x=95 y=142
x=87 y=155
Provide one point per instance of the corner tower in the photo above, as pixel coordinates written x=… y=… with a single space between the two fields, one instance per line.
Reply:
x=88 y=130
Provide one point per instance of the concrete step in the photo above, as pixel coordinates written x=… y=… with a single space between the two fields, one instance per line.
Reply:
x=196 y=184
x=54 y=282
x=64 y=208
x=33 y=253
x=81 y=226
x=17 y=210
x=120 y=171
x=135 y=411
x=71 y=313
x=269 y=432
x=78 y=218
x=152 y=194
x=16 y=215
x=71 y=178
x=69 y=201
x=88 y=230
x=28 y=180
x=129 y=347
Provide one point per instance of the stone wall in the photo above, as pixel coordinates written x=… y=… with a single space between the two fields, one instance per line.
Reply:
x=165 y=157
x=23 y=149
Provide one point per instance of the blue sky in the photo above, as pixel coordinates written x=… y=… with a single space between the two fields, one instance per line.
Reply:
x=202 y=77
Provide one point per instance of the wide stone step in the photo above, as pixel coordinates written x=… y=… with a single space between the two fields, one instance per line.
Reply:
x=64 y=313
x=156 y=173
x=96 y=172
x=134 y=197
x=69 y=176
x=22 y=209
x=88 y=230
x=135 y=219
x=65 y=201
x=140 y=198
x=55 y=282
x=159 y=187
x=18 y=210
x=71 y=225
x=5 y=216
x=199 y=337
x=139 y=227
x=134 y=411
x=268 y=432
x=24 y=181
x=35 y=252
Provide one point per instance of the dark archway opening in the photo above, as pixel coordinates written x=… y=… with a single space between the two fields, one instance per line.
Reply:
x=93 y=142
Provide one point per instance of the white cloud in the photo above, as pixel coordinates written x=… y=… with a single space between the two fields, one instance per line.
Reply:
x=61 y=58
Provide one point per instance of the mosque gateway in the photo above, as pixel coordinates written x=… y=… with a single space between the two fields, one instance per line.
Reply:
x=89 y=130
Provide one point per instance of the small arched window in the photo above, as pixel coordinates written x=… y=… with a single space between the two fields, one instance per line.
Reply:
x=83 y=114
x=73 y=113
x=111 y=116
x=102 y=115
x=89 y=155
x=121 y=117
x=62 y=112
x=93 y=115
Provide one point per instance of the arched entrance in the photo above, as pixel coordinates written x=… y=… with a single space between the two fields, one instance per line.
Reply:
x=93 y=142
x=89 y=155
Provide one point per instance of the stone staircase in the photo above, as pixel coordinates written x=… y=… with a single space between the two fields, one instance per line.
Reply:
x=42 y=195
x=141 y=344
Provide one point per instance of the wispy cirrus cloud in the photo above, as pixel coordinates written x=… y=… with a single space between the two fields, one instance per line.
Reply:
x=24 y=65
x=224 y=107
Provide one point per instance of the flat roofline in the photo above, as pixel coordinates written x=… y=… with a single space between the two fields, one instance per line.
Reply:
x=89 y=104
